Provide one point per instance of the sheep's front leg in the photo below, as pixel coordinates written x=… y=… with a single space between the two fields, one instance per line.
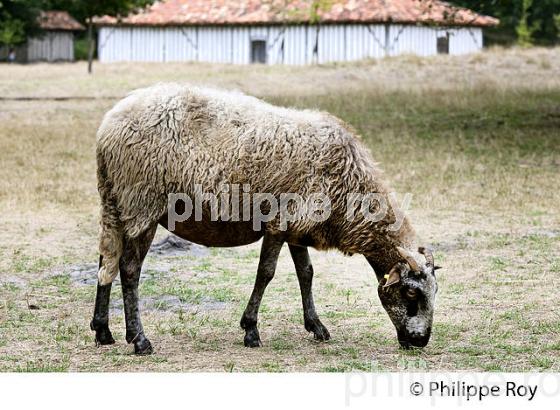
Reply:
x=267 y=267
x=100 y=321
x=304 y=270
x=130 y=265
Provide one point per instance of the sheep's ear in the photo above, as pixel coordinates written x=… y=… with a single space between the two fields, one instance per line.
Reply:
x=427 y=254
x=394 y=276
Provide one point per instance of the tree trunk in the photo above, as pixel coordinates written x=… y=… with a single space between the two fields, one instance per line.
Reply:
x=90 y=44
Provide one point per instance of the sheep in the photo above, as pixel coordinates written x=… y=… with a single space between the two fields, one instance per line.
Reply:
x=171 y=138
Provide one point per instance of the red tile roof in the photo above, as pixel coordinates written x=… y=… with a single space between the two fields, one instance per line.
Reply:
x=226 y=12
x=58 y=20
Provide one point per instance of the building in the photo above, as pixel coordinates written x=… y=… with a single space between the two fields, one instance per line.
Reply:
x=289 y=32
x=55 y=44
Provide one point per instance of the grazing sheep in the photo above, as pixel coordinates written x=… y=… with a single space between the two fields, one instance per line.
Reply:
x=170 y=138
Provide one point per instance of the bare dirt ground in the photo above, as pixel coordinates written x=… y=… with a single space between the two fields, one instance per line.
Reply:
x=475 y=139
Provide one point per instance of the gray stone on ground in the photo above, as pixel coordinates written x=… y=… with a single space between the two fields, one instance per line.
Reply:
x=172 y=245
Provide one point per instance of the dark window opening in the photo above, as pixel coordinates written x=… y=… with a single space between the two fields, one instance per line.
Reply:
x=258 y=51
x=443 y=44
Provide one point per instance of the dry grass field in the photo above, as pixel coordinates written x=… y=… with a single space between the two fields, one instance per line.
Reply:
x=475 y=139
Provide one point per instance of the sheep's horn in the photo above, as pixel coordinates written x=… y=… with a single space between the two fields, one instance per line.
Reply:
x=428 y=254
x=409 y=258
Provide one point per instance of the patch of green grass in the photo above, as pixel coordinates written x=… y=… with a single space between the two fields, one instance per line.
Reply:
x=19 y=319
x=446 y=332
x=348 y=366
x=188 y=292
x=204 y=266
x=344 y=314
x=222 y=294
x=44 y=366
x=303 y=361
x=492 y=366
x=512 y=349
x=271 y=366
x=512 y=315
x=66 y=333
x=456 y=288
x=57 y=285
x=351 y=351
x=251 y=255
x=10 y=287
x=497 y=263
x=23 y=263
x=283 y=344
x=471 y=350
x=546 y=328
x=229 y=366
x=542 y=362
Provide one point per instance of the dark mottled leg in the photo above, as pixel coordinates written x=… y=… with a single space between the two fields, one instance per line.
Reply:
x=304 y=271
x=100 y=321
x=267 y=266
x=130 y=264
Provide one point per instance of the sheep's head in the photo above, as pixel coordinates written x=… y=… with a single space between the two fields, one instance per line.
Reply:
x=408 y=293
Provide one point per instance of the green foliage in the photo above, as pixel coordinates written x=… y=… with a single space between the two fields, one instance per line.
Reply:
x=80 y=48
x=12 y=32
x=521 y=21
x=524 y=31
x=18 y=19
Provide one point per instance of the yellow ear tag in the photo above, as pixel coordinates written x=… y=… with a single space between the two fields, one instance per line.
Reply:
x=386 y=276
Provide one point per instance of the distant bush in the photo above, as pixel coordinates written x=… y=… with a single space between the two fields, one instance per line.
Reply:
x=81 y=48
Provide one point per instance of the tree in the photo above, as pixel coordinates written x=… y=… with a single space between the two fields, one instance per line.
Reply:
x=524 y=30
x=521 y=21
x=12 y=31
x=85 y=10
x=18 y=20
x=541 y=20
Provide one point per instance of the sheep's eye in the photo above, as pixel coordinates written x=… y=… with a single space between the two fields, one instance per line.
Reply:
x=411 y=294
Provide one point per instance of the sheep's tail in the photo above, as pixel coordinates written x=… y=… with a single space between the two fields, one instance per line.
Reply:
x=111 y=235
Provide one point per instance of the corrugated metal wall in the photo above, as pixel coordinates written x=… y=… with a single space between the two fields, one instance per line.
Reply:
x=294 y=45
x=52 y=46
x=417 y=40
x=464 y=41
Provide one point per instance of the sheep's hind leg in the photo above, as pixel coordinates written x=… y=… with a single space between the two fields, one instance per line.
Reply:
x=304 y=270
x=130 y=265
x=267 y=266
x=100 y=321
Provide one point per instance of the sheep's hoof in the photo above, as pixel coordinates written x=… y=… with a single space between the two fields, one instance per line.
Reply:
x=103 y=335
x=143 y=347
x=252 y=338
x=319 y=330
